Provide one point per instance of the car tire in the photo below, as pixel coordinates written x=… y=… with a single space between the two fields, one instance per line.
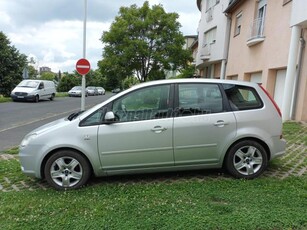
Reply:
x=36 y=99
x=246 y=159
x=67 y=169
x=52 y=97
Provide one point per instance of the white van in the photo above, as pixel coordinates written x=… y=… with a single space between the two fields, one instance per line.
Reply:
x=34 y=90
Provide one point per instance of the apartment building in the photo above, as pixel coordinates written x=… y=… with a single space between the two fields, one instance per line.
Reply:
x=44 y=69
x=266 y=44
x=212 y=38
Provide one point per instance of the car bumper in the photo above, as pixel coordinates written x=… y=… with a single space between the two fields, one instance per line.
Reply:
x=279 y=147
x=23 y=98
x=74 y=95
x=30 y=160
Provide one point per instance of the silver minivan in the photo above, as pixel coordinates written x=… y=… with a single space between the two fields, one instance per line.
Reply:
x=165 y=125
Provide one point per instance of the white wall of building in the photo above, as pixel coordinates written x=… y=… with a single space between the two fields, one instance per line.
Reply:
x=299 y=13
x=210 y=19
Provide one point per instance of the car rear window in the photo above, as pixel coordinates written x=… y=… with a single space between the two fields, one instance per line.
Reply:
x=242 y=97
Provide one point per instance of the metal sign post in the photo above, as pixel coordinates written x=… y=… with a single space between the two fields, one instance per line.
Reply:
x=83 y=66
x=84 y=56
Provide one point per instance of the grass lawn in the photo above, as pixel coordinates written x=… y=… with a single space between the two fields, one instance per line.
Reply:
x=4 y=99
x=211 y=202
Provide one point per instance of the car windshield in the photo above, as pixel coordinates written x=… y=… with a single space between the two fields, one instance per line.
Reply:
x=28 y=84
x=77 y=88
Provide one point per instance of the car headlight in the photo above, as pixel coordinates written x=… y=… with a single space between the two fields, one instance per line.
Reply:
x=27 y=139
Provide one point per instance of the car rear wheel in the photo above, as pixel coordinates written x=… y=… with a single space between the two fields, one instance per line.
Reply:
x=67 y=170
x=246 y=159
x=52 y=97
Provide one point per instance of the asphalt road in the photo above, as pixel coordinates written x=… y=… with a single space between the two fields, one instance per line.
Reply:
x=19 y=118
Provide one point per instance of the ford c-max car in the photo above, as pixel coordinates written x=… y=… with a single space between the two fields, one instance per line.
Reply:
x=165 y=125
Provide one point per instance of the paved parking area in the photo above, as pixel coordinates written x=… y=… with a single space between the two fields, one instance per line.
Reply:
x=293 y=163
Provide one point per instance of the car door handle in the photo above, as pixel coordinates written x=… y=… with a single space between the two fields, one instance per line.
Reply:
x=221 y=123
x=158 y=129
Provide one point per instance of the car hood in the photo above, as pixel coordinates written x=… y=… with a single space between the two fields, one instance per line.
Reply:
x=23 y=89
x=51 y=126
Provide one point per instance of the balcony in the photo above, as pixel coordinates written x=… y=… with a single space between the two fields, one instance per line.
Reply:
x=257 y=32
x=205 y=52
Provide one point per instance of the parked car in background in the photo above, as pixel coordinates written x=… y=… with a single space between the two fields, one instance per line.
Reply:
x=167 y=125
x=33 y=90
x=101 y=90
x=92 y=90
x=76 y=92
x=117 y=90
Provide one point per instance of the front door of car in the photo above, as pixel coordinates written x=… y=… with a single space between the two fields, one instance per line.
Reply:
x=42 y=91
x=142 y=136
x=202 y=127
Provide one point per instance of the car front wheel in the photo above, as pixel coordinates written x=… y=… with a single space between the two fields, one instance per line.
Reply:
x=246 y=159
x=67 y=170
x=36 y=99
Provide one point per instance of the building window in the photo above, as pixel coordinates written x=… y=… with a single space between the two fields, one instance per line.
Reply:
x=209 y=37
x=211 y=3
x=234 y=77
x=238 y=24
x=261 y=16
x=257 y=27
x=286 y=1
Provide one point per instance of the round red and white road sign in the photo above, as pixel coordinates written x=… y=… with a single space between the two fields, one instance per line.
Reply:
x=83 y=66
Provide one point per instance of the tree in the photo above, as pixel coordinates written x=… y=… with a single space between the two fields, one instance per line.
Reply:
x=47 y=76
x=143 y=42
x=189 y=72
x=12 y=64
x=129 y=81
x=32 y=72
x=94 y=78
x=112 y=73
x=68 y=81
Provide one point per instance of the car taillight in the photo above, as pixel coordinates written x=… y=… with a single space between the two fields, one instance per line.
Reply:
x=274 y=103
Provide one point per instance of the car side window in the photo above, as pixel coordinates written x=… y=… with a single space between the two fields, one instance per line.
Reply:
x=41 y=85
x=144 y=104
x=95 y=118
x=198 y=99
x=242 y=97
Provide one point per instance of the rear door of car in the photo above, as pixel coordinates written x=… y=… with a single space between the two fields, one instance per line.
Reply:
x=203 y=125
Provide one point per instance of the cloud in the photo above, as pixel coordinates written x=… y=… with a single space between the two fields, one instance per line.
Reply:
x=5 y=18
x=52 y=31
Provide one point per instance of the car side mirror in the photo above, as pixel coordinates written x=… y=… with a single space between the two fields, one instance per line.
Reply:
x=109 y=118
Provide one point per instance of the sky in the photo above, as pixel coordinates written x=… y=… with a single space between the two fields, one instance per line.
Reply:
x=51 y=31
